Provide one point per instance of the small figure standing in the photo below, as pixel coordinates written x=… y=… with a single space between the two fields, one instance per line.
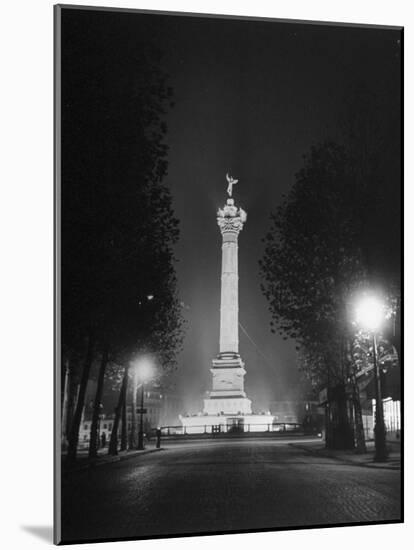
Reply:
x=231 y=182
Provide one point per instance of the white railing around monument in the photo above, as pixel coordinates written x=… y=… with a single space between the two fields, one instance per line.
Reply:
x=279 y=428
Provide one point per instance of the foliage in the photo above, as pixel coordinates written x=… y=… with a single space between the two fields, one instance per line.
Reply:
x=317 y=256
x=338 y=231
x=363 y=355
x=312 y=259
x=118 y=229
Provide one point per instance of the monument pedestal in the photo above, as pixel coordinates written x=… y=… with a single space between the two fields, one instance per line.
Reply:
x=227 y=395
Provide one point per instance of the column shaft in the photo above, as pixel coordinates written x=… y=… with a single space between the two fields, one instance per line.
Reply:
x=229 y=310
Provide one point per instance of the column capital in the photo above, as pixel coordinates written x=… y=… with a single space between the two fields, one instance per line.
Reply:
x=231 y=218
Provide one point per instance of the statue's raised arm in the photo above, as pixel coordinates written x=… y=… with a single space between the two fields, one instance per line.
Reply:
x=231 y=182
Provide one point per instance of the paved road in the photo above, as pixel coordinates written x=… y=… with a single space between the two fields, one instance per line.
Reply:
x=223 y=486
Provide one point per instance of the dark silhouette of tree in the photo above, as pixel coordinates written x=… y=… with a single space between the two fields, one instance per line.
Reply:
x=331 y=236
x=118 y=228
x=94 y=434
x=312 y=261
x=77 y=417
x=121 y=406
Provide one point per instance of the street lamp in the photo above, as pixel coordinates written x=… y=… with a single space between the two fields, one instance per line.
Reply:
x=143 y=372
x=370 y=314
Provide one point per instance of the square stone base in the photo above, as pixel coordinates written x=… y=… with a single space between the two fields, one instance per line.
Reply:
x=228 y=404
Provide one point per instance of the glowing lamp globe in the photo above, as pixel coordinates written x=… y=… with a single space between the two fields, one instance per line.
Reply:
x=370 y=313
x=143 y=368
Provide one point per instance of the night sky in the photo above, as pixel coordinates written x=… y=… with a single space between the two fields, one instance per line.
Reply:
x=251 y=97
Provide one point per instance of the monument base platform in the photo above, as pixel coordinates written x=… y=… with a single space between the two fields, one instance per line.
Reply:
x=226 y=423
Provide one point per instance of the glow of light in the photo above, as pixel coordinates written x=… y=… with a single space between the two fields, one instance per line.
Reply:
x=150 y=297
x=143 y=368
x=370 y=313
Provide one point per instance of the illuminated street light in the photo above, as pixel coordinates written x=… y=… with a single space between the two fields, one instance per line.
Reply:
x=370 y=315
x=143 y=369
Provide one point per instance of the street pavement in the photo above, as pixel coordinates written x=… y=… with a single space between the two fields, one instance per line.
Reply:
x=223 y=486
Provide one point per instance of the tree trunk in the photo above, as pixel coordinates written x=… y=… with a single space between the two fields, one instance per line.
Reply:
x=77 y=417
x=113 y=444
x=73 y=398
x=124 y=429
x=359 y=435
x=359 y=425
x=396 y=333
x=133 y=443
x=341 y=433
x=94 y=437
x=328 y=419
x=65 y=406
x=328 y=426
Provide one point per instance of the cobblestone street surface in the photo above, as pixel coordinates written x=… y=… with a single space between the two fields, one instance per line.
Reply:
x=230 y=485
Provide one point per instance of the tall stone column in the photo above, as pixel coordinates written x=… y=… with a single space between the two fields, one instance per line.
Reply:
x=227 y=395
x=226 y=406
x=230 y=221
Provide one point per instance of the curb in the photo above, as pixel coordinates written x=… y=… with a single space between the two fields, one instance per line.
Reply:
x=98 y=462
x=316 y=452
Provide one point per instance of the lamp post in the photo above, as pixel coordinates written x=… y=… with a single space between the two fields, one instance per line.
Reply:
x=143 y=372
x=141 y=445
x=370 y=313
x=98 y=427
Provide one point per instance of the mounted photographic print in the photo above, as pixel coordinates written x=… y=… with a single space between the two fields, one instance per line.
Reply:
x=228 y=274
